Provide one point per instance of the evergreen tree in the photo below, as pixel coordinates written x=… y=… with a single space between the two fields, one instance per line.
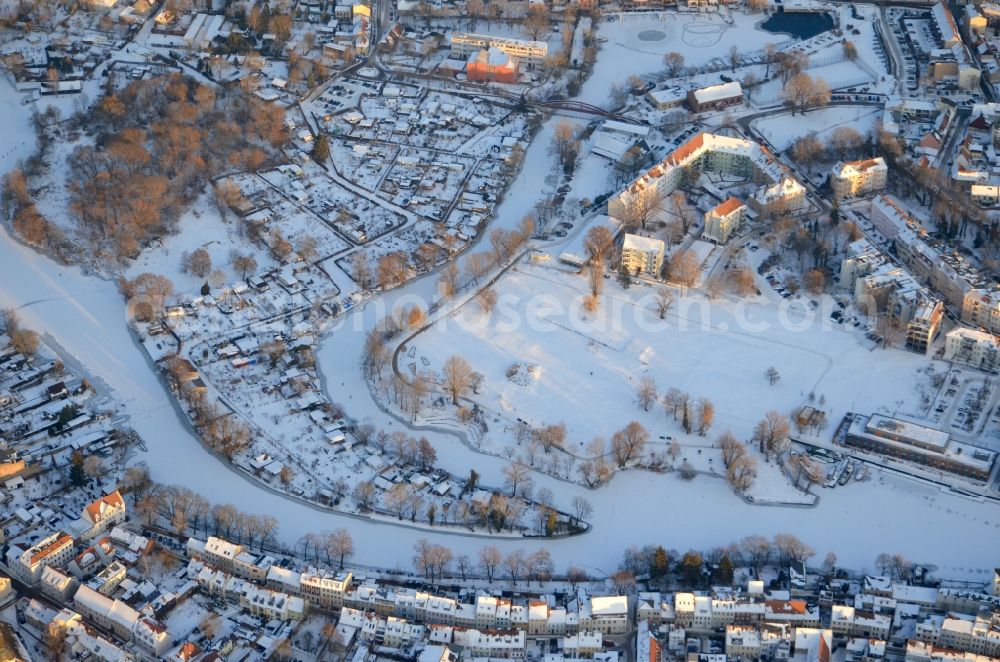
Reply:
x=686 y=420
x=205 y=290
x=77 y=477
x=321 y=149
x=624 y=277
x=724 y=573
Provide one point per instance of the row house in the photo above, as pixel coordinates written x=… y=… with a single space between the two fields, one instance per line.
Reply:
x=702 y=612
x=252 y=566
x=847 y=621
x=652 y=608
x=504 y=644
x=795 y=612
x=217 y=551
x=608 y=614
x=324 y=588
x=976 y=634
x=586 y=643
x=862 y=649
x=109 y=614
x=257 y=600
x=918 y=651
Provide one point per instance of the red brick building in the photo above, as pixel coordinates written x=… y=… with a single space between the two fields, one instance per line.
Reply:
x=491 y=65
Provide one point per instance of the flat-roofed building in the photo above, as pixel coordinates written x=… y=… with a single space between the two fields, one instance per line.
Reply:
x=973 y=347
x=924 y=324
x=919 y=444
x=464 y=44
x=642 y=255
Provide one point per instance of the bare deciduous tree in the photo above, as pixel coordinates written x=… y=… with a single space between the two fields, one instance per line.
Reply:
x=457 y=377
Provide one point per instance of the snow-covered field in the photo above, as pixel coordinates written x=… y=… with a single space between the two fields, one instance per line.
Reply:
x=636 y=44
x=782 y=130
x=588 y=367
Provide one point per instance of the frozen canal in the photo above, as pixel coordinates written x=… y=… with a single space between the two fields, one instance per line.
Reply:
x=86 y=316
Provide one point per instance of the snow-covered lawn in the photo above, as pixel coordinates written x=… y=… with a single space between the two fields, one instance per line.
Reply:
x=782 y=130
x=587 y=370
x=636 y=44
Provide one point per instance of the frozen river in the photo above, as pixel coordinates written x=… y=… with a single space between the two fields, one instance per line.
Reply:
x=86 y=316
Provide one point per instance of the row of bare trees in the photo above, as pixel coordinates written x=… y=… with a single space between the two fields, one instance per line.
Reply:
x=741 y=469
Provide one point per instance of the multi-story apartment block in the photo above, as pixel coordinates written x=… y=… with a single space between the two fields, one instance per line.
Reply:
x=973 y=347
x=923 y=325
x=742 y=641
x=705 y=152
x=465 y=44
x=642 y=255
x=325 y=588
x=217 y=551
x=27 y=563
x=723 y=219
x=857 y=178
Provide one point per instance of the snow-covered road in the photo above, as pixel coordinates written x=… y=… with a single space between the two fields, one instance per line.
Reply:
x=86 y=315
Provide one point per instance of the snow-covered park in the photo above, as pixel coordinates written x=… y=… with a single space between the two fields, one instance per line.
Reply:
x=587 y=366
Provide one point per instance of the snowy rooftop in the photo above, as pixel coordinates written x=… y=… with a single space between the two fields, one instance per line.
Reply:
x=719 y=92
x=634 y=242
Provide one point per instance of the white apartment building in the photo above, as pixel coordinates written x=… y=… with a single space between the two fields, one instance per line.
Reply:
x=981 y=307
x=704 y=152
x=973 y=347
x=58 y=585
x=856 y=178
x=325 y=588
x=218 y=551
x=642 y=255
x=464 y=44
x=28 y=563
x=505 y=644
